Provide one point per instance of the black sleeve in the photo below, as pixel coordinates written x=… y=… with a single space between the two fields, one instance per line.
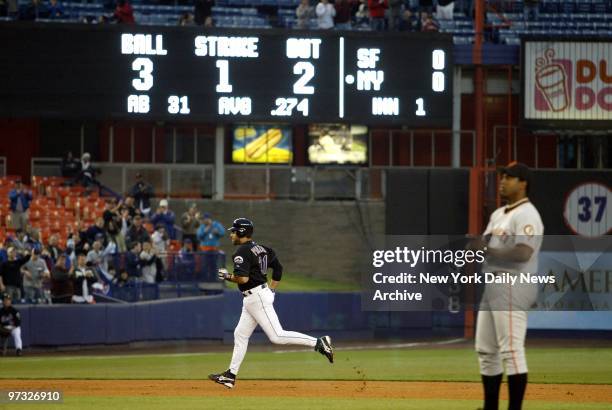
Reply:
x=277 y=269
x=274 y=264
x=242 y=262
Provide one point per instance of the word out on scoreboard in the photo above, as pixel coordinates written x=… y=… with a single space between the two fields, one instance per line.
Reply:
x=228 y=75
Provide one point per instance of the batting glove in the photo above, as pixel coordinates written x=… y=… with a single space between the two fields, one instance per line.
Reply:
x=223 y=274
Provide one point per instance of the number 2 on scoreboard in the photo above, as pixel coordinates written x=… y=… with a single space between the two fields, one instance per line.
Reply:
x=306 y=71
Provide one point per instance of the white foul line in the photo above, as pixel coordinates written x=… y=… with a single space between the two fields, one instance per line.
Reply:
x=383 y=346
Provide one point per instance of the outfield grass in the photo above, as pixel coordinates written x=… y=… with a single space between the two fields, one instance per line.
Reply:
x=293 y=282
x=281 y=403
x=547 y=365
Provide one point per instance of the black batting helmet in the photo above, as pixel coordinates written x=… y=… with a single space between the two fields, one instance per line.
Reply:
x=243 y=227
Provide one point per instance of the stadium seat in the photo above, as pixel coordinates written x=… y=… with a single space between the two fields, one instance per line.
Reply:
x=567 y=7
x=550 y=7
x=583 y=7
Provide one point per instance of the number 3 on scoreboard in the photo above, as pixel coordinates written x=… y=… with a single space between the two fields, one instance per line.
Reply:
x=144 y=66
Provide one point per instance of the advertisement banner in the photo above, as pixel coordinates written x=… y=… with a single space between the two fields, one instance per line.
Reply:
x=567 y=80
x=262 y=144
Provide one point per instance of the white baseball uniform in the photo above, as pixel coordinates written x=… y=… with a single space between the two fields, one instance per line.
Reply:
x=501 y=325
x=253 y=260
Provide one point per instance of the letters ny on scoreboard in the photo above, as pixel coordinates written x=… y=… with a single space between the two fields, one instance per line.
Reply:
x=156 y=73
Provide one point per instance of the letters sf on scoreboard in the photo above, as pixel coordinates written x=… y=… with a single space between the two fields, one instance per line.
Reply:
x=243 y=75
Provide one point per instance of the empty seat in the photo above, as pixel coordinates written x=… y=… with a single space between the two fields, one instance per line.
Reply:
x=583 y=7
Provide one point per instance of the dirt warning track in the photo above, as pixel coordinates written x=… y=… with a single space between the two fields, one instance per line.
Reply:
x=291 y=388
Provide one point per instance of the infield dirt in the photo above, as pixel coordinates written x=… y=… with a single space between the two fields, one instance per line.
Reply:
x=575 y=393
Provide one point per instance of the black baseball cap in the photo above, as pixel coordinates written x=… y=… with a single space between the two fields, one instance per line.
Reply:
x=518 y=170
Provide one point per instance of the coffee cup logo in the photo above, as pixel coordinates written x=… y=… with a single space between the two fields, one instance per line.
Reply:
x=551 y=80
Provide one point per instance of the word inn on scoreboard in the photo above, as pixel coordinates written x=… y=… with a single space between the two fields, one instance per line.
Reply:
x=225 y=75
x=300 y=68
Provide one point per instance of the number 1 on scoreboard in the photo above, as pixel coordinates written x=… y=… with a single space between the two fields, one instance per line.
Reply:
x=224 y=86
x=420 y=107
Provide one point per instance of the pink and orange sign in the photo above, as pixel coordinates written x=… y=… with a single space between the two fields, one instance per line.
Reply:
x=567 y=80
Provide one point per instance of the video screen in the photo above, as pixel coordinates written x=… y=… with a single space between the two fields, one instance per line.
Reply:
x=262 y=144
x=338 y=144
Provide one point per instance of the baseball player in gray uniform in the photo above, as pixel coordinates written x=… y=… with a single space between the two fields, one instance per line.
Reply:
x=251 y=264
x=512 y=241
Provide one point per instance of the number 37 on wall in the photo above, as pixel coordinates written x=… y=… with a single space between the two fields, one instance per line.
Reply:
x=587 y=209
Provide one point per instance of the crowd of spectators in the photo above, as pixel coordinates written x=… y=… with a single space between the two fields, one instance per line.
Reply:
x=377 y=15
x=119 y=12
x=127 y=245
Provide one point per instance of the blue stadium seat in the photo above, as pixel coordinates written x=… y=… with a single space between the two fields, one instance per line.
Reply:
x=513 y=41
x=583 y=7
x=463 y=39
x=447 y=25
x=517 y=6
x=550 y=7
x=242 y=21
x=567 y=7
x=183 y=9
x=287 y=3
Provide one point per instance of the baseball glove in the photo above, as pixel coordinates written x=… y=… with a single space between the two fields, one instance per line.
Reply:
x=4 y=332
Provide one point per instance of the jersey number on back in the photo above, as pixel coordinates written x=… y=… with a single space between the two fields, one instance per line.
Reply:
x=263 y=264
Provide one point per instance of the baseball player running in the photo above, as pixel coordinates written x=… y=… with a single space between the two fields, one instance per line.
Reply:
x=512 y=241
x=251 y=263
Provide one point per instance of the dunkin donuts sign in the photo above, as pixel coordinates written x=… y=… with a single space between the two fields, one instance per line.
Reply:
x=567 y=80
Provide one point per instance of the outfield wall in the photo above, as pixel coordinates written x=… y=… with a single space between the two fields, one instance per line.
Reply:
x=214 y=318
x=110 y=323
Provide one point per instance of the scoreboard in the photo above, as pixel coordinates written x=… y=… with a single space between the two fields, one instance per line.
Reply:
x=196 y=74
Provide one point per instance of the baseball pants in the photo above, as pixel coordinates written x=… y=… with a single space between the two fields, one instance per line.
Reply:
x=16 y=334
x=500 y=341
x=258 y=309
x=501 y=328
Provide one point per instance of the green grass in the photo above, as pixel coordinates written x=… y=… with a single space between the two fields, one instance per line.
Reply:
x=547 y=365
x=283 y=403
x=295 y=282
